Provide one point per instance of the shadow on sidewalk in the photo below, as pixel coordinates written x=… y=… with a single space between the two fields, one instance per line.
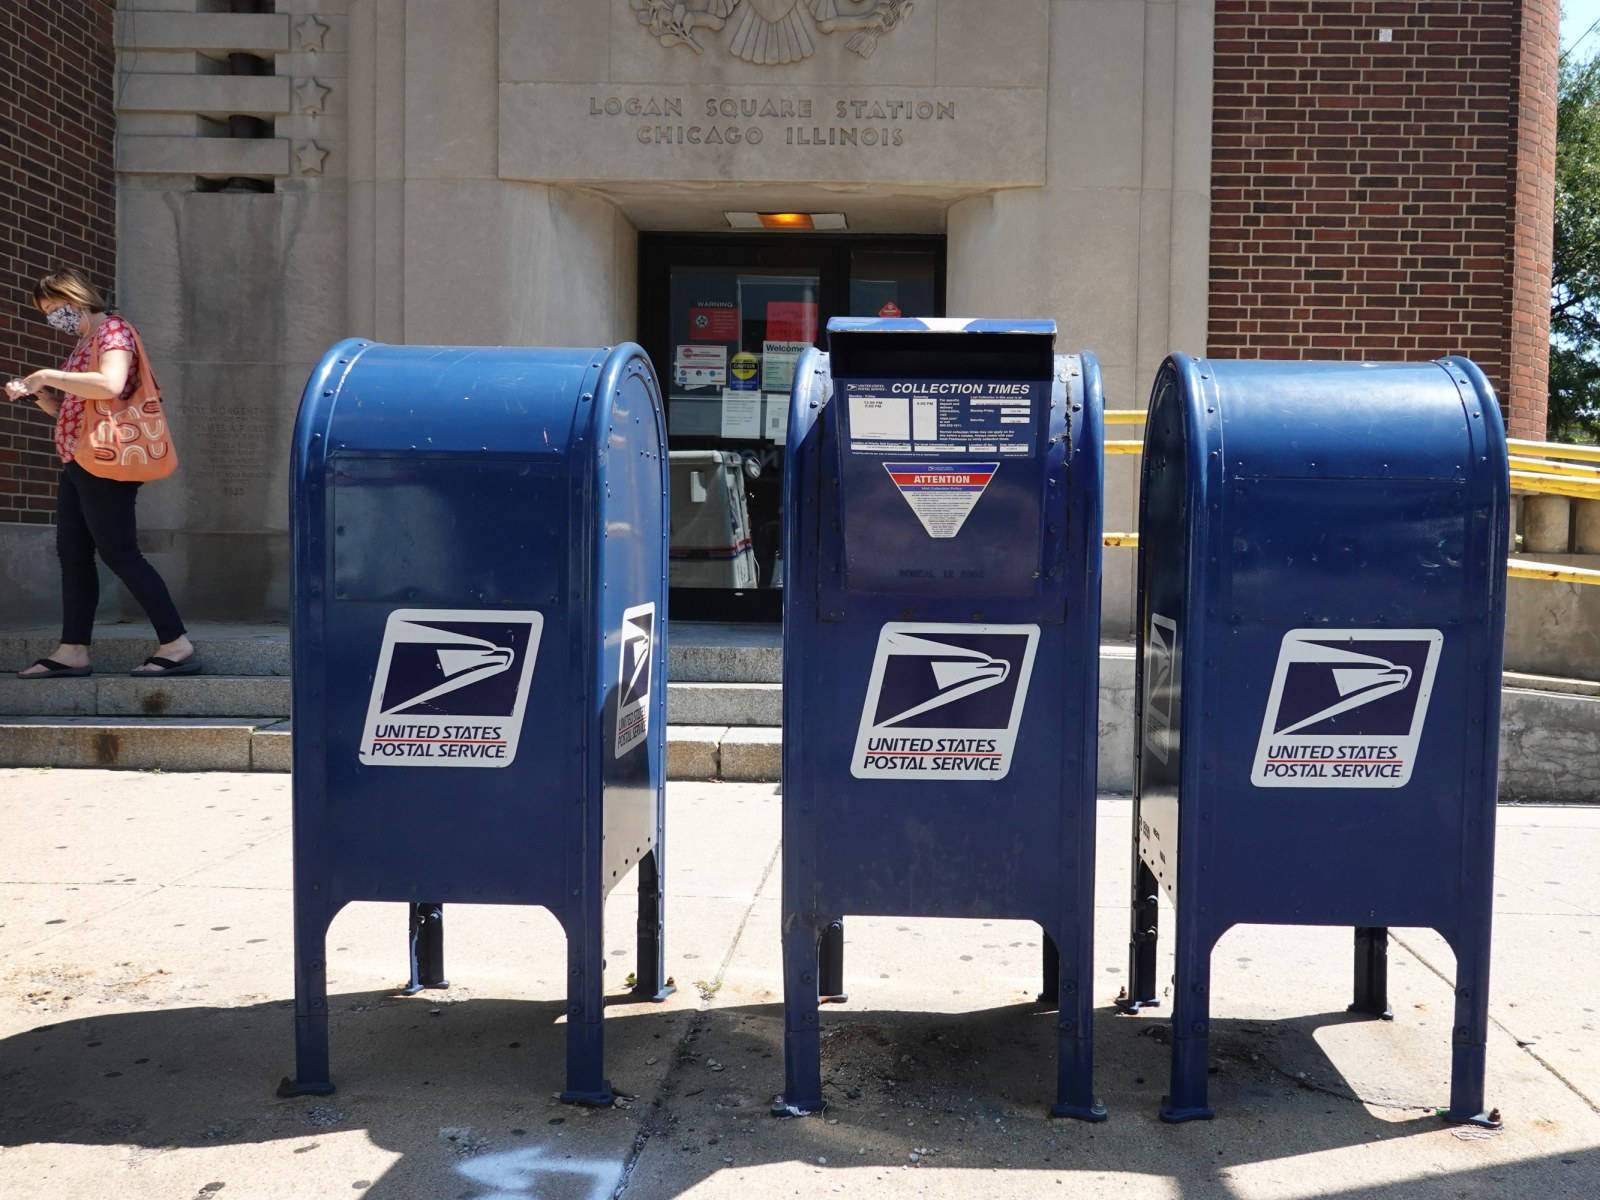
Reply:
x=463 y=1092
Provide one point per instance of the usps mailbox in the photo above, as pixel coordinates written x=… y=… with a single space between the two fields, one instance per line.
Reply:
x=1322 y=553
x=940 y=644
x=480 y=561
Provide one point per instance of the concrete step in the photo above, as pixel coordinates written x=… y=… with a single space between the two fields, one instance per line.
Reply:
x=143 y=743
x=748 y=753
x=225 y=648
x=717 y=729
x=130 y=696
x=702 y=652
x=258 y=695
x=697 y=652
x=263 y=744
x=724 y=703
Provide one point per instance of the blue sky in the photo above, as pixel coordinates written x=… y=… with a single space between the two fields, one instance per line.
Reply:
x=1576 y=17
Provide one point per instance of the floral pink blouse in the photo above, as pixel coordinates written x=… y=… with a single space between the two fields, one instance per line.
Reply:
x=114 y=334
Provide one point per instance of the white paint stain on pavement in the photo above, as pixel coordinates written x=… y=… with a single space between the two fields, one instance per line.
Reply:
x=530 y=1173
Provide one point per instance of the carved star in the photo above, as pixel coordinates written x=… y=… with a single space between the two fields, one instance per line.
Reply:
x=310 y=32
x=309 y=157
x=310 y=95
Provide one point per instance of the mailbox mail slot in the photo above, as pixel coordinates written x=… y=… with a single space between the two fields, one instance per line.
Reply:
x=941 y=631
x=480 y=559
x=1322 y=595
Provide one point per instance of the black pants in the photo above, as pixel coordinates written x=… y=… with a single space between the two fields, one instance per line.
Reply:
x=97 y=514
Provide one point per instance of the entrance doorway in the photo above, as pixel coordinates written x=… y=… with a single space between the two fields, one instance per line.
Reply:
x=724 y=319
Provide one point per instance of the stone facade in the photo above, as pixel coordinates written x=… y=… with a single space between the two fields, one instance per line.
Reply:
x=479 y=172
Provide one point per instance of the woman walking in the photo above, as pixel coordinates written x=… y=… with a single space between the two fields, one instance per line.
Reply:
x=95 y=512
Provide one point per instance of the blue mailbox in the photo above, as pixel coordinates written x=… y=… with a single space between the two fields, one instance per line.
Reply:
x=1322 y=553
x=941 y=655
x=479 y=597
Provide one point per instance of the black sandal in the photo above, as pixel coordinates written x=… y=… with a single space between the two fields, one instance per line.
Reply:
x=188 y=666
x=55 y=670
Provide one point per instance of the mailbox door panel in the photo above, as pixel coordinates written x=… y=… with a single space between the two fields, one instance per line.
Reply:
x=482 y=535
x=632 y=685
x=1302 y=550
x=1163 y=633
x=890 y=834
x=445 y=586
x=465 y=833
x=1336 y=739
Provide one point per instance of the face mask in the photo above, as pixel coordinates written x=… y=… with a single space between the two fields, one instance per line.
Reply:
x=64 y=319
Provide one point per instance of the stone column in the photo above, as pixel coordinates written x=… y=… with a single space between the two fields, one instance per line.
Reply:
x=1586 y=527
x=1546 y=524
x=1114 y=247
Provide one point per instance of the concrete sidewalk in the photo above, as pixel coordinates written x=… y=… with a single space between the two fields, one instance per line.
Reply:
x=146 y=1017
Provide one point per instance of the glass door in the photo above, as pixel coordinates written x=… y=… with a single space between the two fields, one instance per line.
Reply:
x=725 y=319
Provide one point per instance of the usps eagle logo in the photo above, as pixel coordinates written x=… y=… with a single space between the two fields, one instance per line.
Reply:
x=944 y=701
x=450 y=688
x=1347 y=708
x=633 y=682
x=771 y=32
x=1160 y=685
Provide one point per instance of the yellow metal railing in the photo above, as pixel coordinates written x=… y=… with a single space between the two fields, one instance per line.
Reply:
x=1527 y=568
x=1555 y=485
x=1554 y=450
x=1535 y=467
x=1550 y=466
x=1517 y=568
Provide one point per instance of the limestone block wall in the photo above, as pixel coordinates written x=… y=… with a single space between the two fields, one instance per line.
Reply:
x=231 y=159
x=1114 y=246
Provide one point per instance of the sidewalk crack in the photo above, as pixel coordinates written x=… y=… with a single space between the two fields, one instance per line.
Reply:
x=1497 y=1023
x=660 y=1120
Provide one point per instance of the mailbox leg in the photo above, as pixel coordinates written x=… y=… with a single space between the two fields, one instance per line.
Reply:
x=1191 y=1027
x=586 y=1054
x=311 y=920
x=1050 y=993
x=1471 y=1036
x=427 y=949
x=1142 y=941
x=830 y=965
x=650 y=981
x=802 y=1041
x=1372 y=972
x=1075 y=1022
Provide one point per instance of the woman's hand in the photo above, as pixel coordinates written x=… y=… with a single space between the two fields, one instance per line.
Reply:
x=16 y=389
x=38 y=381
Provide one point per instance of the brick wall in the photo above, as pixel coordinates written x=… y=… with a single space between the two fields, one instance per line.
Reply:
x=57 y=208
x=1386 y=199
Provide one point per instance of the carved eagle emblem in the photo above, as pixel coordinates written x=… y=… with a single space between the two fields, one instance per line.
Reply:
x=771 y=32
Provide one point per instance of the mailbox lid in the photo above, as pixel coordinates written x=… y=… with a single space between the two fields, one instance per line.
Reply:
x=454 y=399
x=1357 y=420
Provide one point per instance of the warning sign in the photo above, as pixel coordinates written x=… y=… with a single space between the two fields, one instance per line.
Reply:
x=941 y=493
x=744 y=366
x=944 y=701
x=450 y=688
x=633 y=681
x=1347 y=708
x=714 y=322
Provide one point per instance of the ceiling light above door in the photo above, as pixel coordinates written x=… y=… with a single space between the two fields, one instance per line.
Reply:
x=789 y=221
